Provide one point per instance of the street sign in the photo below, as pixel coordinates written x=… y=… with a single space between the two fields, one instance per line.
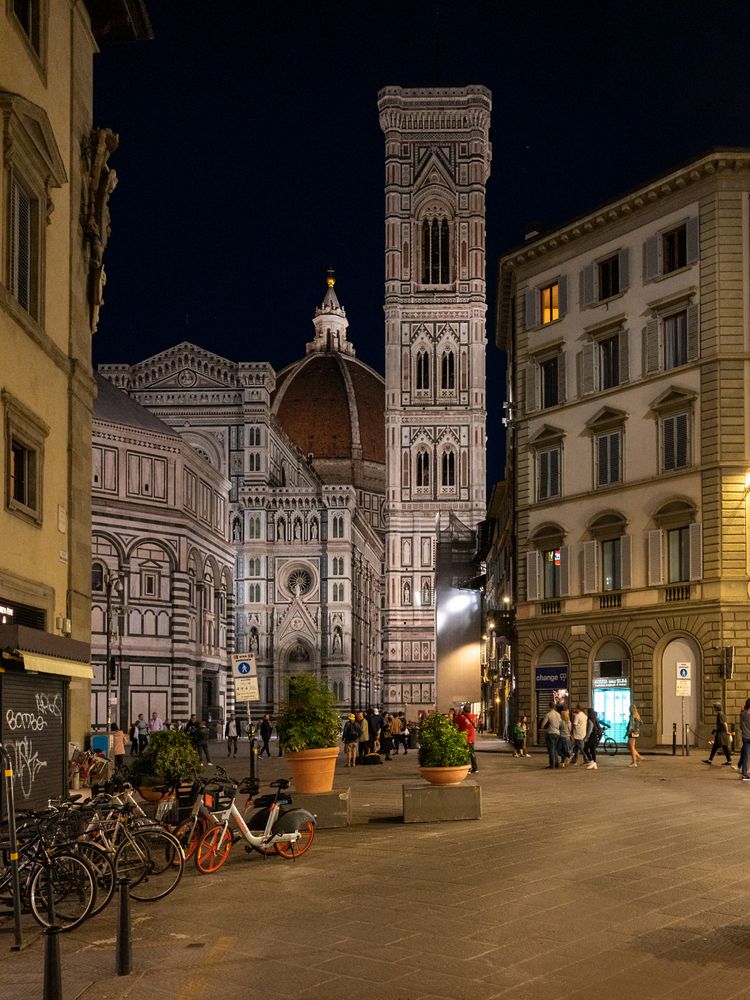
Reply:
x=683 y=671
x=245 y=673
x=683 y=688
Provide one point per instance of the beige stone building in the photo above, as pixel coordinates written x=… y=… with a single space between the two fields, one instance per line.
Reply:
x=628 y=333
x=54 y=188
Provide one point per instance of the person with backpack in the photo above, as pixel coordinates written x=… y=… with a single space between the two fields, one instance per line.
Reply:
x=593 y=735
x=350 y=737
x=466 y=722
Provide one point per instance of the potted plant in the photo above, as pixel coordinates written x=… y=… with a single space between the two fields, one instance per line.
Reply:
x=169 y=759
x=444 y=757
x=308 y=729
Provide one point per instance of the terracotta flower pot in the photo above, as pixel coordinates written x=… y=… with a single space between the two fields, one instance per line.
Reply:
x=313 y=770
x=150 y=794
x=445 y=775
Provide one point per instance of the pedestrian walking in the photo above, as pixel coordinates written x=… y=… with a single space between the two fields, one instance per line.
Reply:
x=593 y=735
x=397 y=732
x=142 y=727
x=520 y=730
x=201 y=741
x=745 y=732
x=118 y=745
x=191 y=727
x=565 y=743
x=721 y=737
x=231 y=734
x=579 y=721
x=350 y=737
x=134 y=739
x=466 y=722
x=364 y=737
x=155 y=724
x=265 y=734
x=386 y=739
x=633 y=732
x=551 y=727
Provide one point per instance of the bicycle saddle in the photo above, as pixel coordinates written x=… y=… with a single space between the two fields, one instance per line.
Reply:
x=280 y=783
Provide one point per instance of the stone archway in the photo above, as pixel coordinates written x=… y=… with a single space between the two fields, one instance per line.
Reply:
x=298 y=657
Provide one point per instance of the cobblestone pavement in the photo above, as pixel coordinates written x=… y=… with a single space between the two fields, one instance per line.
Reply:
x=619 y=883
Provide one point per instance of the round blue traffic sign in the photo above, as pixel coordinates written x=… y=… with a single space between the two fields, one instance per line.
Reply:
x=244 y=667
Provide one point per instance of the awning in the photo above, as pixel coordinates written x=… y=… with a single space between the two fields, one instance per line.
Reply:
x=56 y=665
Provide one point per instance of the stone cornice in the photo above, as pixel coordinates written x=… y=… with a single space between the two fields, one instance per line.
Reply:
x=722 y=161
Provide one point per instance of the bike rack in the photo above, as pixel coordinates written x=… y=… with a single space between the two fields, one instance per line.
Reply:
x=12 y=848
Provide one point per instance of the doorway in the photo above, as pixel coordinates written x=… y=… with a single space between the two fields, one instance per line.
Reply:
x=676 y=709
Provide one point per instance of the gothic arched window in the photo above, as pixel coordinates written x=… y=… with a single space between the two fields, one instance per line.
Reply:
x=423 y=469
x=423 y=370
x=97 y=577
x=449 y=469
x=435 y=251
x=448 y=370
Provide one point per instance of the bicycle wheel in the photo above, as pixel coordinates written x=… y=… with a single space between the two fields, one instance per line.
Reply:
x=73 y=892
x=291 y=850
x=213 y=850
x=101 y=864
x=153 y=862
x=609 y=746
x=189 y=833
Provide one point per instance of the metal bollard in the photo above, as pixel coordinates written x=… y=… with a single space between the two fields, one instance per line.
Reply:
x=52 y=970
x=687 y=740
x=674 y=739
x=124 y=946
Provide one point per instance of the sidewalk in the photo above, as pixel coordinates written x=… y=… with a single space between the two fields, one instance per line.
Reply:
x=617 y=881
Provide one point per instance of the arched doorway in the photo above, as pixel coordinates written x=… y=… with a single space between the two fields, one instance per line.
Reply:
x=551 y=680
x=612 y=691
x=676 y=708
x=297 y=658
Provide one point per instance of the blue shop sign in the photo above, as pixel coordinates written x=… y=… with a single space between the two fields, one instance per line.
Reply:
x=552 y=678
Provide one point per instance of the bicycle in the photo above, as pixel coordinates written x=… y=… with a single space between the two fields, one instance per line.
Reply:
x=287 y=832
x=607 y=743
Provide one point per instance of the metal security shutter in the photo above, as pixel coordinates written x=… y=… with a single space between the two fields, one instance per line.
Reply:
x=33 y=726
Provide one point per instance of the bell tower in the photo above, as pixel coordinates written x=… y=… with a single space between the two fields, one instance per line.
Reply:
x=437 y=161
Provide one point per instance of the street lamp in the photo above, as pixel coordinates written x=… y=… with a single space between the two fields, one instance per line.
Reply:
x=113 y=584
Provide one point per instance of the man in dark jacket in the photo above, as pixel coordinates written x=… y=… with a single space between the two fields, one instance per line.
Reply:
x=265 y=734
x=375 y=721
x=721 y=737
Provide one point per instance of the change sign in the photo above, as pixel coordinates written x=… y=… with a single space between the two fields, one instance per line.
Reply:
x=245 y=673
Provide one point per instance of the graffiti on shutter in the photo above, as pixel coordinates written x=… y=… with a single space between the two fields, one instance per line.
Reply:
x=33 y=726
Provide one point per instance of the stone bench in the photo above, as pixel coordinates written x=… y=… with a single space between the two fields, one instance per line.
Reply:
x=425 y=803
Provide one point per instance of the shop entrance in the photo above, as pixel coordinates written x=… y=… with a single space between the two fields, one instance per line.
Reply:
x=612 y=705
x=551 y=683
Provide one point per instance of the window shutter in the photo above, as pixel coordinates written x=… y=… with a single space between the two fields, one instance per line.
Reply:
x=20 y=245
x=561 y=378
x=681 y=441
x=554 y=472
x=624 y=269
x=532 y=308
x=532 y=387
x=655 y=558
x=623 y=344
x=564 y=570
x=693 y=248
x=602 y=465
x=562 y=295
x=693 y=332
x=696 y=551
x=651 y=261
x=542 y=463
x=651 y=346
x=590 y=567
x=625 y=563
x=668 y=443
x=587 y=286
x=532 y=576
x=588 y=368
x=614 y=457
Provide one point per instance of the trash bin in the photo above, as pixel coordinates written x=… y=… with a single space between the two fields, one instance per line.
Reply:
x=102 y=743
x=413 y=737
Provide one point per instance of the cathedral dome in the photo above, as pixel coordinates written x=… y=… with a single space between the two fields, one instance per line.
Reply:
x=332 y=405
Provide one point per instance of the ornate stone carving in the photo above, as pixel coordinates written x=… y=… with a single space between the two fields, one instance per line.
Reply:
x=99 y=181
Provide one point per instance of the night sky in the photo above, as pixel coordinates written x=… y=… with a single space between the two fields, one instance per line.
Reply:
x=251 y=158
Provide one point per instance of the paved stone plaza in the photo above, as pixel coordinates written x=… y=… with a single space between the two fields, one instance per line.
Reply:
x=619 y=883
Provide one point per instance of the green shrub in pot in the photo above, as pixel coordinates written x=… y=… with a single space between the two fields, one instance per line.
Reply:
x=168 y=759
x=308 y=720
x=441 y=744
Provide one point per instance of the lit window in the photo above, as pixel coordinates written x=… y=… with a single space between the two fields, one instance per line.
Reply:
x=549 y=297
x=675 y=340
x=674 y=249
x=551 y=564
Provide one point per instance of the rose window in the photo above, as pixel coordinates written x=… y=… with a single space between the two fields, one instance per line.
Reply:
x=299 y=581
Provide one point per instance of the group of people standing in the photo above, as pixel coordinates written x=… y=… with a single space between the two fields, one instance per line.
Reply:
x=570 y=734
x=371 y=733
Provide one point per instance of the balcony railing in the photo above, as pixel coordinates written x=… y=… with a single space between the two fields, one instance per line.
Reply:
x=681 y=592
x=551 y=608
x=610 y=601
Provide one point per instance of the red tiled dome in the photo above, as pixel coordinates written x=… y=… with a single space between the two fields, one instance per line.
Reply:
x=332 y=406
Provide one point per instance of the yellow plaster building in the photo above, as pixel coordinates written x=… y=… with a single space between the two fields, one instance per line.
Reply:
x=54 y=189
